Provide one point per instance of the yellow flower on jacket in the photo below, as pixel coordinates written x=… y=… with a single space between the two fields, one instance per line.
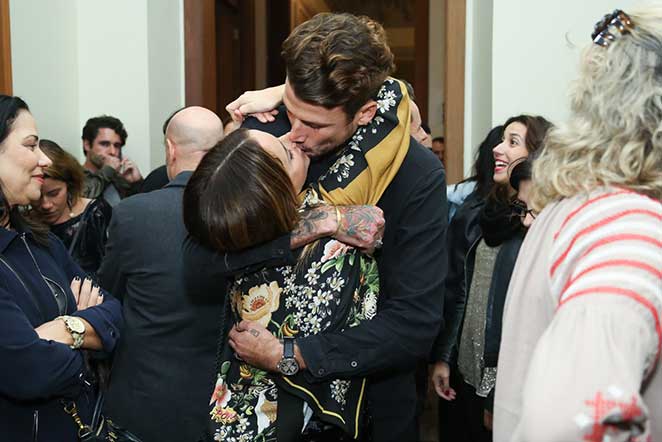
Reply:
x=261 y=302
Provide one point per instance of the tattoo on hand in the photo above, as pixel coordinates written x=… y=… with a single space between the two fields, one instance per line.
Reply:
x=359 y=221
x=254 y=332
x=308 y=227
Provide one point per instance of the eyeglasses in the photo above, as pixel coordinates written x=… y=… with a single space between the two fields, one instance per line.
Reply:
x=605 y=30
x=519 y=209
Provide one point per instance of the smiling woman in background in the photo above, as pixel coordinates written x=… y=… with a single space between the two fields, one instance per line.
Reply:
x=49 y=314
x=80 y=223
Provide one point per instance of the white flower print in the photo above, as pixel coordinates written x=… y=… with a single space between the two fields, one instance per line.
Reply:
x=339 y=390
x=369 y=307
x=388 y=100
x=336 y=283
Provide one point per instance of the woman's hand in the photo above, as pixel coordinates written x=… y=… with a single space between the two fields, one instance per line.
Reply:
x=86 y=293
x=441 y=379
x=259 y=104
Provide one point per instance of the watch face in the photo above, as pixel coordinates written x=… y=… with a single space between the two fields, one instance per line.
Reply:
x=288 y=366
x=76 y=325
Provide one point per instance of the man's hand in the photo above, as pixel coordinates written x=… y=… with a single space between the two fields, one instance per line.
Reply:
x=101 y=160
x=358 y=226
x=441 y=379
x=130 y=171
x=361 y=227
x=255 y=345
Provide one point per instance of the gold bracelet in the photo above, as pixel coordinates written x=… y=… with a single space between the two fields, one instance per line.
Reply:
x=338 y=220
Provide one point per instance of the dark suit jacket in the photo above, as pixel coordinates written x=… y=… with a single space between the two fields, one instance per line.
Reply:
x=162 y=375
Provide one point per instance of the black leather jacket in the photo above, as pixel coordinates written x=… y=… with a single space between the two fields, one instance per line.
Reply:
x=464 y=234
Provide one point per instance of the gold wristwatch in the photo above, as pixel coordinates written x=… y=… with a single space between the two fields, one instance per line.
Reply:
x=76 y=328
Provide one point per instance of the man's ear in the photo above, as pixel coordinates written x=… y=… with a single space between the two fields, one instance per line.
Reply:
x=366 y=113
x=86 y=146
x=170 y=149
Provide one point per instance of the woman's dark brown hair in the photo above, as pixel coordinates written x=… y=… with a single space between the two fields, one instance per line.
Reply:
x=64 y=168
x=536 y=130
x=239 y=196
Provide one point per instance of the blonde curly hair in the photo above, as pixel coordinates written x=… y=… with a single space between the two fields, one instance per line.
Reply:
x=614 y=135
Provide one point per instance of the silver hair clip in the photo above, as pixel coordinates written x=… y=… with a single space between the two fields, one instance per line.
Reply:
x=605 y=30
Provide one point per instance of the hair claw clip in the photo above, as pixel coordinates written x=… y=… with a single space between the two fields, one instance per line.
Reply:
x=605 y=30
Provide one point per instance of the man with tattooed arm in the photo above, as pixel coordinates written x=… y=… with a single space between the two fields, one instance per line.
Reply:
x=337 y=65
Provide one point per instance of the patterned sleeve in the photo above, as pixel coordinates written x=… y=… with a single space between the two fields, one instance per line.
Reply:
x=587 y=377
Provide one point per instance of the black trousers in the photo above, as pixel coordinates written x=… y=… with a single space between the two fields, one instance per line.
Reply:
x=461 y=420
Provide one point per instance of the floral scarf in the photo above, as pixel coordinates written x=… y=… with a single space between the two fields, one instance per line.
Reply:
x=333 y=287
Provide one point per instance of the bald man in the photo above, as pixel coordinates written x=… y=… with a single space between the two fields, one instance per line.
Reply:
x=164 y=365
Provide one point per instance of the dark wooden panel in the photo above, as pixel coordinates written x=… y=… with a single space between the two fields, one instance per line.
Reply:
x=454 y=89
x=5 y=50
x=422 y=48
x=278 y=28
x=200 y=53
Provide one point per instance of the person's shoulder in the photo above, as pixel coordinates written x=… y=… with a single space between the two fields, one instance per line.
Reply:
x=419 y=168
x=421 y=160
x=147 y=203
x=605 y=202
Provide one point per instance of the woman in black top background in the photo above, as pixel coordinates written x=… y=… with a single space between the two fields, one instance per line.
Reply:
x=80 y=223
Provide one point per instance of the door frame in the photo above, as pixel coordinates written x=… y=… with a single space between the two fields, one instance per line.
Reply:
x=5 y=50
x=455 y=25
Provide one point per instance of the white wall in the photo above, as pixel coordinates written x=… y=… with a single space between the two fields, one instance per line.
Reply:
x=165 y=44
x=521 y=57
x=74 y=59
x=478 y=77
x=44 y=66
x=536 y=48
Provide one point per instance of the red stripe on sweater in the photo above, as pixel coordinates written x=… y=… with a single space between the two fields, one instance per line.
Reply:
x=622 y=237
x=618 y=291
x=572 y=214
x=612 y=263
x=596 y=226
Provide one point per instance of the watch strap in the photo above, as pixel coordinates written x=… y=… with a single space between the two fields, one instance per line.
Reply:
x=288 y=347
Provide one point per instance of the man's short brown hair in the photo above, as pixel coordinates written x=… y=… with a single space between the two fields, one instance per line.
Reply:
x=337 y=60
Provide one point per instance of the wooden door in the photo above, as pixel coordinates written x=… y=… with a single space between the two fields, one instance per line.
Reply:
x=455 y=18
x=5 y=50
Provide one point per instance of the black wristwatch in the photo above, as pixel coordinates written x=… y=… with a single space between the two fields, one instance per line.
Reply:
x=288 y=365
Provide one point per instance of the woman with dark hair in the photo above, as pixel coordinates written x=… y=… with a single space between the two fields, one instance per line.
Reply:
x=245 y=193
x=48 y=313
x=484 y=239
x=480 y=183
x=80 y=223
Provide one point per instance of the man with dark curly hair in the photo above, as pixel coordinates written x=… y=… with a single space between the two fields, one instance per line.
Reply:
x=107 y=174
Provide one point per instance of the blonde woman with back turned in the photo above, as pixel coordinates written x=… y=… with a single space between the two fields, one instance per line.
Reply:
x=580 y=351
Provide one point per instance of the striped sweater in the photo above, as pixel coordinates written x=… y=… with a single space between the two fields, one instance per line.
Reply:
x=582 y=337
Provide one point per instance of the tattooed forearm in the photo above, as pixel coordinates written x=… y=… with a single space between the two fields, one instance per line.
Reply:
x=312 y=225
